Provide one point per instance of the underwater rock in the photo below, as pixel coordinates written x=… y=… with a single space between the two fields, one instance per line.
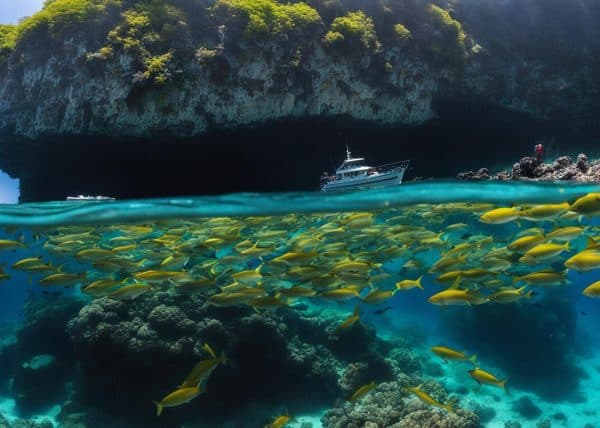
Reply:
x=525 y=407
x=354 y=376
x=528 y=168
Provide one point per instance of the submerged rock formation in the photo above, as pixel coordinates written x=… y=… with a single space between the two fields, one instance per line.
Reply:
x=528 y=168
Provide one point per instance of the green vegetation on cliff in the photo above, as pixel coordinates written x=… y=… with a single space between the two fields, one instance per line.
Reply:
x=8 y=40
x=268 y=18
x=162 y=36
x=355 y=29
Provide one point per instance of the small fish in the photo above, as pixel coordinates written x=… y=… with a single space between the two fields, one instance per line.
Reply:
x=280 y=421
x=481 y=376
x=500 y=215
x=130 y=292
x=588 y=205
x=544 y=251
x=176 y=398
x=592 y=290
x=450 y=354
x=428 y=399
x=453 y=296
x=584 y=261
x=408 y=284
x=509 y=295
x=544 y=212
x=343 y=293
x=203 y=369
x=349 y=322
x=361 y=392
x=377 y=296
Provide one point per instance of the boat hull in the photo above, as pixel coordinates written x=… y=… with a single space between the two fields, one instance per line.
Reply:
x=392 y=178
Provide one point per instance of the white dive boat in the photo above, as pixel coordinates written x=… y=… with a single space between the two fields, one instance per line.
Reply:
x=90 y=198
x=354 y=174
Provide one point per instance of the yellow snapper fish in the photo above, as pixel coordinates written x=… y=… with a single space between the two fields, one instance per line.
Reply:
x=159 y=275
x=203 y=369
x=23 y=263
x=509 y=295
x=565 y=233
x=177 y=398
x=587 y=205
x=544 y=252
x=450 y=354
x=63 y=279
x=348 y=322
x=592 y=290
x=453 y=297
x=130 y=292
x=526 y=242
x=248 y=277
x=361 y=392
x=544 y=212
x=297 y=291
x=230 y=299
x=584 y=261
x=295 y=258
x=353 y=267
x=193 y=285
x=481 y=376
x=428 y=399
x=377 y=296
x=445 y=262
x=100 y=287
x=343 y=293
x=500 y=215
x=93 y=254
x=280 y=421
x=408 y=284
x=543 y=277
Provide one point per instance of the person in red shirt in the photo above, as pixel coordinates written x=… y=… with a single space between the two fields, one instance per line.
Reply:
x=539 y=153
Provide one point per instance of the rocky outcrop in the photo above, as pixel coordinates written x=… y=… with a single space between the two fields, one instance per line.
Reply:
x=528 y=168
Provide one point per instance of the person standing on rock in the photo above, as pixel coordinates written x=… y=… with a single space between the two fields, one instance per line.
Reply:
x=539 y=152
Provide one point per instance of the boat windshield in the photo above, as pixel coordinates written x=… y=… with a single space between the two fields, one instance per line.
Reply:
x=353 y=163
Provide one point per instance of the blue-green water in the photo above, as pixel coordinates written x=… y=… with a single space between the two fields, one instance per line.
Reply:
x=272 y=282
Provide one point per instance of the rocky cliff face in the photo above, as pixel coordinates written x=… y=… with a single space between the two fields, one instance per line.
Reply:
x=67 y=89
x=184 y=69
x=65 y=95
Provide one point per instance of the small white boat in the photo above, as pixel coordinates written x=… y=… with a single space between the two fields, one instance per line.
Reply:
x=90 y=198
x=354 y=174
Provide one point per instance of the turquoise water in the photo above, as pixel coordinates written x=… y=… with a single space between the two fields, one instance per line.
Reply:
x=273 y=282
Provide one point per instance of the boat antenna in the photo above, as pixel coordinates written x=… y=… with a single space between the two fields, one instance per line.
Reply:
x=348 y=154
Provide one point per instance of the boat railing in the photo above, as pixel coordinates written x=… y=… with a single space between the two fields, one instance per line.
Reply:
x=391 y=166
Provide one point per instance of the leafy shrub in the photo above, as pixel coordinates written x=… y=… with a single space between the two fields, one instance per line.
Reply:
x=59 y=17
x=402 y=32
x=268 y=18
x=8 y=40
x=157 y=68
x=449 y=37
x=355 y=29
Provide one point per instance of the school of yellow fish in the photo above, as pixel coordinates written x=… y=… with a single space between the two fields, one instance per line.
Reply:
x=465 y=253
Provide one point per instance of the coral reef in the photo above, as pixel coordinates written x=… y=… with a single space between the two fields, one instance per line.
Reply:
x=528 y=168
x=387 y=406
